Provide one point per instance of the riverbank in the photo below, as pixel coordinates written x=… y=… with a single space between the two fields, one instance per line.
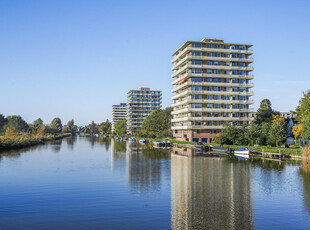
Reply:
x=293 y=152
x=20 y=141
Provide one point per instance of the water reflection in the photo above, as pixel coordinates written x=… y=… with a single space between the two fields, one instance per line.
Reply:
x=145 y=166
x=305 y=175
x=210 y=193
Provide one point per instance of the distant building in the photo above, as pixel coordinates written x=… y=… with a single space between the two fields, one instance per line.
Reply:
x=119 y=112
x=140 y=104
x=211 y=86
x=287 y=115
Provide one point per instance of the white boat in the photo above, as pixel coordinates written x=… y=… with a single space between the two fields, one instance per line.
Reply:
x=242 y=153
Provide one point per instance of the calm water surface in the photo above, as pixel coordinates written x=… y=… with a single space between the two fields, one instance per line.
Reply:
x=94 y=183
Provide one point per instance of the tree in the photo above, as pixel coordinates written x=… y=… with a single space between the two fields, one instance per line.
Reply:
x=253 y=133
x=230 y=132
x=56 y=125
x=105 y=127
x=158 y=123
x=264 y=113
x=303 y=109
x=297 y=130
x=277 y=131
x=93 y=128
x=306 y=129
x=120 y=128
x=3 y=122
x=16 y=124
x=70 y=127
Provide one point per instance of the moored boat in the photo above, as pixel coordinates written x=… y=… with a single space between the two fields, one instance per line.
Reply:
x=242 y=153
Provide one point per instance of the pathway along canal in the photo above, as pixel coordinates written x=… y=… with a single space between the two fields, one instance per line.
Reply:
x=95 y=183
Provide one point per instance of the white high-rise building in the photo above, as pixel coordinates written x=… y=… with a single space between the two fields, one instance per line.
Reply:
x=119 y=112
x=211 y=86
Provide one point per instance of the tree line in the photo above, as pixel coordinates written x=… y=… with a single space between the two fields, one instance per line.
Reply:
x=268 y=127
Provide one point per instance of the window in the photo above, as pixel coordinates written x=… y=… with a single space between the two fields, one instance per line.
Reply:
x=209 y=54
x=235 y=106
x=234 y=47
x=227 y=80
x=196 y=105
x=209 y=97
x=216 y=80
x=209 y=79
x=197 y=88
x=197 y=131
x=216 y=88
x=209 y=46
x=235 y=72
x=209 y=106
x=226 y=46
x=234 y=80
x=226 y=97
x=242 y=72
x=209 y=62
x=216 y=55
x=209 y=88
x=241 y=89
x=196 y=79
x=216 y=63
x=217 y=97
x=196 y=62
x=210 y=140
x=198 y=45
x=216 y=114
x=234 y=55
x=241 y=55
x=216 y=46
x=196 y=53
x=241 y=47
x=242 y=64
x=196 y=96
x=205 y=140
x=234 y=64
x=196 y=70
x=217 y=106
x=197 y=114
x=241 y=81
x=209 y=71
x=216 y=71
x=241 y=106
x=235 y=89
x=226 y=106
x=242 y=98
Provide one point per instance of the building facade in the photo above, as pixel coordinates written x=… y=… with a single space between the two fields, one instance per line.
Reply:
x=211 y=86
x=119 y=112
x=140 y=104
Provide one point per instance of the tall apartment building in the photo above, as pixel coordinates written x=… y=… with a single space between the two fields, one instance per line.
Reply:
x=119 y=112
x=211 y=86
x=140 y=104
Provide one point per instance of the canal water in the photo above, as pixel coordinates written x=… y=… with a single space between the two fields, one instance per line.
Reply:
x=96 y=183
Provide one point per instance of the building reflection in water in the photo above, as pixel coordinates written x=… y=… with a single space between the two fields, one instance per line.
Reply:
x=144 y=166
x=210 y=193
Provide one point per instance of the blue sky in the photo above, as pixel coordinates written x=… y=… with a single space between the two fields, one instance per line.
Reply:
x=75 y=59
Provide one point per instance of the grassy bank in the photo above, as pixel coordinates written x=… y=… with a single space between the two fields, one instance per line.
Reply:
x=24 y=140
x=287 y=151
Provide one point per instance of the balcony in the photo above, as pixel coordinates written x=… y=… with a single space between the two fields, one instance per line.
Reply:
x=225 y=119
x=188 y=110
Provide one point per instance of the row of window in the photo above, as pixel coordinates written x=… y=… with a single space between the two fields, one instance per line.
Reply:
x=217 y=71
x=218 y=114
x=146 y=92
x=144 y=96
x=218 y=63
x=225 y=55
x=219 y=80
x=217 y=97
x=217 y=88
x=219 y=106
x=219 y=46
